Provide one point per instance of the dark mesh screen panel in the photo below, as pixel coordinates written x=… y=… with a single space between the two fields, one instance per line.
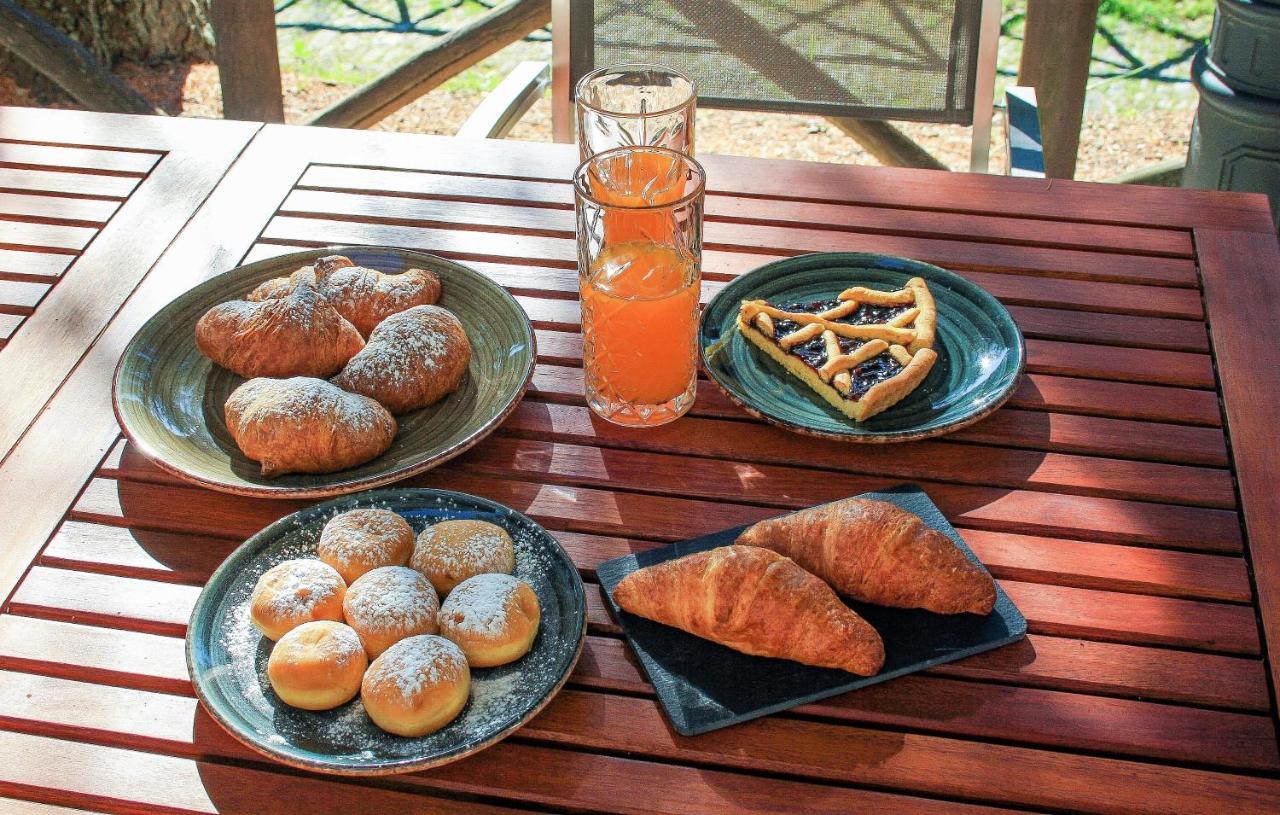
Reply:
x=873 y=59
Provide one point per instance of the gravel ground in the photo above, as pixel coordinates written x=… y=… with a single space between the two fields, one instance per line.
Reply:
x=1111 y=144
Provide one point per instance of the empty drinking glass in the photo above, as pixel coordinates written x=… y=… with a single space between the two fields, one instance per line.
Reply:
x=635 y=105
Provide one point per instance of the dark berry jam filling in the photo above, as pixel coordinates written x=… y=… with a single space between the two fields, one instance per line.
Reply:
x=872 y=372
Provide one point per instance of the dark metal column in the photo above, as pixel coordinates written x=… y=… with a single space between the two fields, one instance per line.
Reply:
x=1235 y=142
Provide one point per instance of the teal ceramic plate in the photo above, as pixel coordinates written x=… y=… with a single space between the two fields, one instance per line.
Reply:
x=169 y=397
x=227 y=657
x=981 y=352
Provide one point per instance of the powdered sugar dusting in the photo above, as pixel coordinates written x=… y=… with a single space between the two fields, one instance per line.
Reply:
x=391 y=597
x=501 y=697
x=413 y=663
x=406 y=347
x=326 y=640
x=292 y=590
x=459 y=549
x=362 y=536
x=481 y=604
x=296 y=401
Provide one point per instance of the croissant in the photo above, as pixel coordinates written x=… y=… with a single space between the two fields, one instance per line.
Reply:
x=365 y=297
x=413 y=359
x=875 y=552
x=305 y=425
x=297 y=335
x=757 y=602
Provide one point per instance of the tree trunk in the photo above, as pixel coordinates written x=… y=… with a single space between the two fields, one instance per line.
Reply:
x=134 y=30
x=115 y=31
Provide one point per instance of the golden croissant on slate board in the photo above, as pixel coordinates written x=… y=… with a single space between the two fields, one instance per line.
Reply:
x=875 y=552
x=755 y=601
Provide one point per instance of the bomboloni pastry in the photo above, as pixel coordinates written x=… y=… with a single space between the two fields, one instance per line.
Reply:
x=862 y=352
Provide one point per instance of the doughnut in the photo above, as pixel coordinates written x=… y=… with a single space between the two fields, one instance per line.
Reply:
x=451 y=551
x=317 y=666
x=364 y=539
x=493 y=618
x=388 y=604
x=295 y=592
x=416 y=686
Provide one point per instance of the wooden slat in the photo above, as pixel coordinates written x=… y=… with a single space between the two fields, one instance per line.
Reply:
x=125 y=162
x=119 y=779
x=933 y=461
x=57 y=208
x=333 y=210
x=1082 y=517
x=1242 y=290
x=719 y=267
x=21 y=296
x=849 y=755
x=1122 y=400
x=20 y=233
x=80 y=184
x=1134 y=240
x=983 y=771
x=35 y=266
x=132 y=553
x=12 y=806
x=164 y=607
x=1090 y=435
x=9 y=324
x=72 y=649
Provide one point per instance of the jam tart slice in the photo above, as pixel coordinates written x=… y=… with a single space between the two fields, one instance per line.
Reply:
x=862 y=352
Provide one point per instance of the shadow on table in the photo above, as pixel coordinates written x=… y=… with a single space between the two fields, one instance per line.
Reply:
x=745 y=471
x=147 y=503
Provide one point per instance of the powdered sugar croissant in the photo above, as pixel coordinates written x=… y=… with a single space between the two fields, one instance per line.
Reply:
x=306 y=425
x=413 y=359
x=754 y=601
x=365 y=297
x=297 y=335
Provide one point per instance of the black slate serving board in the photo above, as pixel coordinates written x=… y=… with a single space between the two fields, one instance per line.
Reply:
x=704 y=686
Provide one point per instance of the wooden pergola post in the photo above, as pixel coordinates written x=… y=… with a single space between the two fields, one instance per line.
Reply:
x=1056 y=50
x=244 y=34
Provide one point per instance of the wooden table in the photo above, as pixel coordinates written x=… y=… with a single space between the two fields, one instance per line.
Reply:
x=1123 y=499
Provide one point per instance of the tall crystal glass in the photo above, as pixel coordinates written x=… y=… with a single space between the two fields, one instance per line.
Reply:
x=635 y=105
x=639 y=223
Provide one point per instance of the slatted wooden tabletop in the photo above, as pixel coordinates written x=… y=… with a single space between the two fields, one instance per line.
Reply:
x=1123 y=499
x=91 y=199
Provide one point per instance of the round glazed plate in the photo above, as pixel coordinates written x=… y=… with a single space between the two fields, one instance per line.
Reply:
x=981 y=352
x=169 y=397
x=227 y=656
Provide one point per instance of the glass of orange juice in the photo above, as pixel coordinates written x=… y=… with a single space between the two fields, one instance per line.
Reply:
x=635 y=105
x=639 y=221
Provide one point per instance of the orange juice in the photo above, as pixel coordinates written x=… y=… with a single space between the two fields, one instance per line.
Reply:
x=639 y=319
x=649 y=180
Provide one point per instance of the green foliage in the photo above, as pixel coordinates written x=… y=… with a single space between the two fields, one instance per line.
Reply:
x=1158 y=14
